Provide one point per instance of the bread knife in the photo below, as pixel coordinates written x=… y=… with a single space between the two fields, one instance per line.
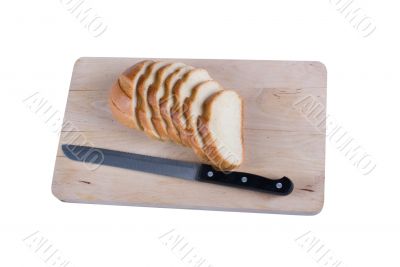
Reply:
x=179 y=169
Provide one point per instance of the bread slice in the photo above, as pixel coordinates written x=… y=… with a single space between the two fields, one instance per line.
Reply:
x=155 y=93
x=123 y=93
x=183 y=89
x=120 y=105
x=194 y=108
x=143 y=110
x=221 y=129
x=166 y=102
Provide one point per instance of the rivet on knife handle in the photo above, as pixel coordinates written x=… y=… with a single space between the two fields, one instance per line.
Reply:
x=282 y=186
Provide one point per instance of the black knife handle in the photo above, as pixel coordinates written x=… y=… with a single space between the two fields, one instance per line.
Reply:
x=283 y=186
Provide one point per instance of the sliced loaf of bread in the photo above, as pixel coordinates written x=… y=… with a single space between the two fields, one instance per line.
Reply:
x=183 y=104
x=220 y=127
x=194 y=108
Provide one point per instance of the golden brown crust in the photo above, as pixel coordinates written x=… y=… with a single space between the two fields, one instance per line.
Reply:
x=159 y=123
x=156 y=118
x=175 y=111
x=211 y=147
x=142 y=106
x=165 y=113
x=122 y=103
x=127 y=77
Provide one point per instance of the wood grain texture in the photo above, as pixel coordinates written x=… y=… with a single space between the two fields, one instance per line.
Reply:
x=279 y=140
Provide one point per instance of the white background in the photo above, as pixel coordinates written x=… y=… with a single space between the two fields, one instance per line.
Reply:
x=359 y=224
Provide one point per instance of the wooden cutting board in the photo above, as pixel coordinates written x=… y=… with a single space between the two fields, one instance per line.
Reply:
x=279 y=140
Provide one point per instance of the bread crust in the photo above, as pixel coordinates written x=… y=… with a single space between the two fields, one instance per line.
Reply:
x=129 y=75
x=159 y=123
x=164 y=108
x=156 y=118
x=176 y=109
x=119 y=104
x=142 y=106
x=211 y=149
